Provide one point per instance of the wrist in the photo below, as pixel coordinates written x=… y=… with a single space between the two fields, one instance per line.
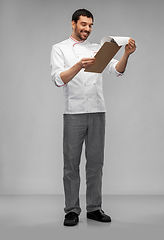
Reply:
x=79 y=65
x=126 y=55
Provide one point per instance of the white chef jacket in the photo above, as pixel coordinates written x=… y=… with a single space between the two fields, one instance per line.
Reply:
x=84 y=93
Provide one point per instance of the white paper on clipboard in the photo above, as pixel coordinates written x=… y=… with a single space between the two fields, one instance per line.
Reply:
x=119 y=40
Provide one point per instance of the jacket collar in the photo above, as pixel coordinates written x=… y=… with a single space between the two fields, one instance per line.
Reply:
x=74 y=41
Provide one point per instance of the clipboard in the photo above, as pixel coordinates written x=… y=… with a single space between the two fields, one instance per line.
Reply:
x=103 y=57
x=110 y=46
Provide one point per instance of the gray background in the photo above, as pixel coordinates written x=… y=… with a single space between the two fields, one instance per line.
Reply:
x=31 y=106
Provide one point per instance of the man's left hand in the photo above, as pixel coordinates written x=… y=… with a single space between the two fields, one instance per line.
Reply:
x=130 y=47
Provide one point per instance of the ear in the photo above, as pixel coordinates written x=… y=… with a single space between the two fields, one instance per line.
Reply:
x=73 y=24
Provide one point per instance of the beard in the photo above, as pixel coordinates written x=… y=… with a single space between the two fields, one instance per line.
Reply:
x=82 y=35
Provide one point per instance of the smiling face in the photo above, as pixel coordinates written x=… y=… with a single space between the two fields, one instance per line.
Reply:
x=82 y=29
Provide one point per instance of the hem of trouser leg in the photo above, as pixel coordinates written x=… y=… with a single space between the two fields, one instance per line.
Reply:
x=94 y=209
x=75 y=211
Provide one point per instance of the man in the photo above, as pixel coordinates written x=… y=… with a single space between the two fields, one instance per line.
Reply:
x=84 y=115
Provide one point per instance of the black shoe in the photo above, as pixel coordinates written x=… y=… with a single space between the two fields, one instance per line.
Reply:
x=71 y=219
x=98 y=215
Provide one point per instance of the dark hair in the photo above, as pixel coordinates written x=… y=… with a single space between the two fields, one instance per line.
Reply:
x=81 y=12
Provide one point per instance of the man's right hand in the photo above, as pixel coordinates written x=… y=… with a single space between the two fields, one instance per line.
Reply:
x=87 y=62
x=67 y=75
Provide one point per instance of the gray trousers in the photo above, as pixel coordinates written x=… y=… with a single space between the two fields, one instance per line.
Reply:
x=88 y=127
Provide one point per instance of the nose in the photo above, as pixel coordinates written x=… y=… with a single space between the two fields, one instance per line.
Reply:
x=87 y=28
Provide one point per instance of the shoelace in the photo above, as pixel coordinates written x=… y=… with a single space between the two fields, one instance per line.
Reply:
x=71 y=215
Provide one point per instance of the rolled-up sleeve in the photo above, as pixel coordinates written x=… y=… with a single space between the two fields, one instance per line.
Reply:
x=111 y=68
x=57 y=66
